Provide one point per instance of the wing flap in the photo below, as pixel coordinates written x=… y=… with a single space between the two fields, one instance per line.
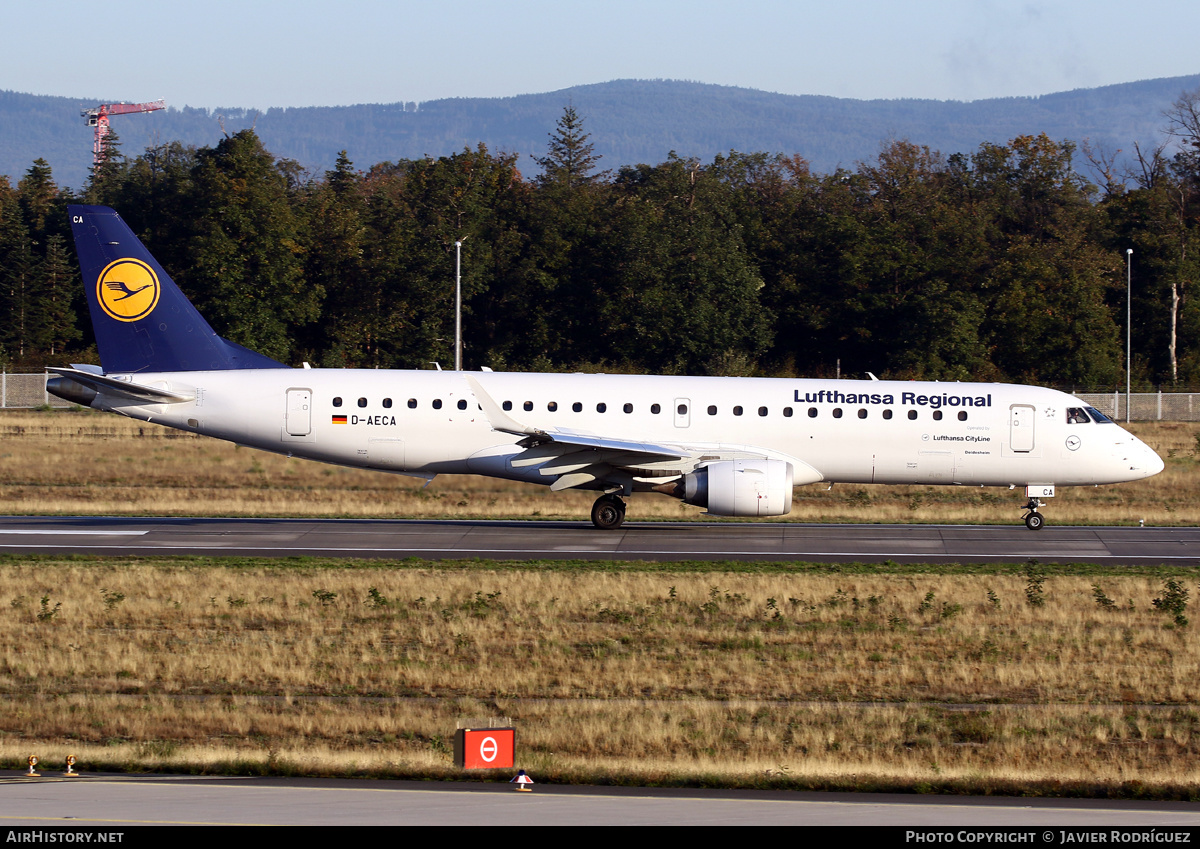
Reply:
x=595 y=473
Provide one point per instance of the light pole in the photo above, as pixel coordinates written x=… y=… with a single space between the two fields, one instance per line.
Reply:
x=458 y=304
x=1128 y=325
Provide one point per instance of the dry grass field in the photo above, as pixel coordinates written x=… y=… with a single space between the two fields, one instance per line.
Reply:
x=948 y=679
x=784 y=677
x=79 y=463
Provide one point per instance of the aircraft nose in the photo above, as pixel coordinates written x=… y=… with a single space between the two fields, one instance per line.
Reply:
x=1150 y=462
x=1142 y=459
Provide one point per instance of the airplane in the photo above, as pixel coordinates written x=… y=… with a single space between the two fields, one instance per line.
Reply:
x=733 y=446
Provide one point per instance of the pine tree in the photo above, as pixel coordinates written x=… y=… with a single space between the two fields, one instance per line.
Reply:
x=571 y=157
x=37 y=194
x=56 y=280
x=104 y=181
x=17 y=300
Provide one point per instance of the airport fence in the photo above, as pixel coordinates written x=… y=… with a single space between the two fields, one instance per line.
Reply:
x=28 y=391
x=1146 y=406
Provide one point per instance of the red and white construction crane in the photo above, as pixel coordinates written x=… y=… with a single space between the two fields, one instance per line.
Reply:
x=98 y=118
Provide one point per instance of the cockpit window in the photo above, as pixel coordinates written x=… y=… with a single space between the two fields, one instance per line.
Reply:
x=1076 y=415
x=1098 y=417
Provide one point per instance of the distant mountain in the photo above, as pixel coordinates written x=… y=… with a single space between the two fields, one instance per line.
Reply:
x=630 y=121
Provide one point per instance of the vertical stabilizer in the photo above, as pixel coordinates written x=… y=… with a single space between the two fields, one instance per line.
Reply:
x=143 y=322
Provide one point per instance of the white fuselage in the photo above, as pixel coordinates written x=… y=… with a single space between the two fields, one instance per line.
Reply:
x=429 y=422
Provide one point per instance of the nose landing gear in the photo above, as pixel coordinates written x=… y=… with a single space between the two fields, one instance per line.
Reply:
x=608 y=512
x=1033 y=519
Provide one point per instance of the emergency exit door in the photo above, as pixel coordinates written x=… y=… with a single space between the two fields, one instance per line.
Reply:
x=299 y=412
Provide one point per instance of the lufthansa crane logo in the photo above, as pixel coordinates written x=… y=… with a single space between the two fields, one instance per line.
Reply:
x=127 y=289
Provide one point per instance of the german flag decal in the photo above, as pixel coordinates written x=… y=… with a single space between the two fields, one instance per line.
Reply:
x=339 y=419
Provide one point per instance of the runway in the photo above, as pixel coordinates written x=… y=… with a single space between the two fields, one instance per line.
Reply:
x=114 y=802
x=654 y=541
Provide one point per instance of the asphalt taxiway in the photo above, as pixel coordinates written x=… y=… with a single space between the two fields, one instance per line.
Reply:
x=657 y=541
x=114 y=802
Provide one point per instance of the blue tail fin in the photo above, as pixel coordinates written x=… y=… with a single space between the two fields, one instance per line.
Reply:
x=143 y=322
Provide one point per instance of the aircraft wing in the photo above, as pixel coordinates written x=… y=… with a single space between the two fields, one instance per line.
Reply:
x=580 y=459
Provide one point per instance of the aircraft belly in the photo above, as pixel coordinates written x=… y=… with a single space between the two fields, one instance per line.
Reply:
x=386 y=453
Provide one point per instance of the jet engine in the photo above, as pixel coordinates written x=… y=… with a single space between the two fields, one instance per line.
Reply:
x=741 y=488
x=69 y=390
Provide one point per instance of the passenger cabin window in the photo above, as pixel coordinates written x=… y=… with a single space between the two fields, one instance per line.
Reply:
x=737 y=411
x=527 y=406
x=337 y=402
x=712 y=410
x=362 y=402
x=887 y=414
x=837 y=412
x=937 y=415
x=577 y=407
x=681 y=409
x=462 y=404
x=552 y=406
x=1076 y=415
x=912 y=415
x=812 y=412
x=962 y=415
x=387 y=403
x=628 y=408
x=655 y=409
x=862 y=413
x=601 y=407
x=762 y=411
x=507 y=405
x=437 y=403
x=787 y=412
x=412 y=403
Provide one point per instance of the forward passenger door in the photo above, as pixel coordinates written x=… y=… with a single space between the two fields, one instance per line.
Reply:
x=1020 y=427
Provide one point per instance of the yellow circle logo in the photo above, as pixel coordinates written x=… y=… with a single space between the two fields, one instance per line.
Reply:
x=127 y=289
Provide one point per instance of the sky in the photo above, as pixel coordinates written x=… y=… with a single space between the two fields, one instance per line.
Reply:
x=245 y=53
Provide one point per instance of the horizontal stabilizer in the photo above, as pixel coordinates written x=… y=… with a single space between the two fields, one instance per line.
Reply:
x=110 y=387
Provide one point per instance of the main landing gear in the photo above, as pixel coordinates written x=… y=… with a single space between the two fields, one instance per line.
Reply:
x=608 y=512
x=1033 y=519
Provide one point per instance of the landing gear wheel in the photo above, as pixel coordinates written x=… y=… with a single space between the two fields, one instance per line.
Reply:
x=1033 y=519
x=608 y=512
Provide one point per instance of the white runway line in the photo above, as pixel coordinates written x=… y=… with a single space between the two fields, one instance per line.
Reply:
x=53 y=532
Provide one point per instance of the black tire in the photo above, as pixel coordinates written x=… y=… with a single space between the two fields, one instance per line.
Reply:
x=608 y=512
x=1035 y=521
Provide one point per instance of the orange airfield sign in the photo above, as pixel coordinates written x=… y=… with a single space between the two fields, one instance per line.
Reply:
x=485 y=748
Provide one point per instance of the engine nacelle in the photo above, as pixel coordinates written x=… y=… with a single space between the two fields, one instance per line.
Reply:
x=741 y=488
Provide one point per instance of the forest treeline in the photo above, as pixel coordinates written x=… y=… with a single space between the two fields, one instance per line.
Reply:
x=999 y=264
